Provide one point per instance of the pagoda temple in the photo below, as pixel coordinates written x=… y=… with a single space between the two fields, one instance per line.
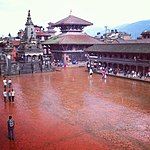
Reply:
x=42 y=35
x=68 y=47
x=50 y=29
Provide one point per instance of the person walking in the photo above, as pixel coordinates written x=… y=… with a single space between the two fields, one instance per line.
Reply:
x=10 y=125
x=5 y=95
x=12 y=95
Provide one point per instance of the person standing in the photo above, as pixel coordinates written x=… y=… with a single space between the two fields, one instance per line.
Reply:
x=5 y=95
x=10 y=125
x=9 y=83
x=12 y=95
x=5 y=82
x=9 y=96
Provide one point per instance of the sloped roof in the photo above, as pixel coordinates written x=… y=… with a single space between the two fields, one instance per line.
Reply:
x=121 y=47
x=72 y=39
x=135 y=41
x=42 y=33
x=72 y=20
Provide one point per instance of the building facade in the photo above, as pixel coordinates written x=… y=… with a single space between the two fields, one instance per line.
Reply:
x=127 y=58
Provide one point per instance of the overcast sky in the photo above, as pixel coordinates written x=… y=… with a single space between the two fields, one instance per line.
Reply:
x=13 y=13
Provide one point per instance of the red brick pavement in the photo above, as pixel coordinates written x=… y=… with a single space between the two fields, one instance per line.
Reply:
x=67 y=110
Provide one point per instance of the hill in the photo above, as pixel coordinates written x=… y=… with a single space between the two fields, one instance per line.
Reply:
x=135 y=29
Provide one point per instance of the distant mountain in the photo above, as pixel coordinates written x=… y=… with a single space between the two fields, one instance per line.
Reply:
x=135 y=29
x=94 y=30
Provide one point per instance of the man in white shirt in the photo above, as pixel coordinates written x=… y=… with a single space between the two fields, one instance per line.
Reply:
x=5 y=95
x=9 y=95
x=12 y=95
x=5 y=82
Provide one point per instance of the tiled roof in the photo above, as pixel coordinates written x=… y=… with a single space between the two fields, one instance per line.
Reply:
x=41 y=33
x=72 y=20
x=121 y=47
x=135 y=41
x=72 y=39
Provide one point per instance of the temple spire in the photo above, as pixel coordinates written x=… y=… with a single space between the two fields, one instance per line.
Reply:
x=29 y=21
x=30 y=33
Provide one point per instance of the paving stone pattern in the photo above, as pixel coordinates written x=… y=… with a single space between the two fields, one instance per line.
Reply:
x=68 y=110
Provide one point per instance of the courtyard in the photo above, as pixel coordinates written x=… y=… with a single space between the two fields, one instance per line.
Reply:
x=68 y=110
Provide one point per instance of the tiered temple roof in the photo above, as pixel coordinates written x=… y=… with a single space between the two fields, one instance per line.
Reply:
x=40 y=32
x=51 y=28
x=72 y=20
x=66 y=38
x=71 y=28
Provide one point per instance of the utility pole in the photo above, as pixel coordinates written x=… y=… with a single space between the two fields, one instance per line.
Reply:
x=106 y=29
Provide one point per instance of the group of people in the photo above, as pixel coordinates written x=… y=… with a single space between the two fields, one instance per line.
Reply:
x=90 y=70
x=9 y=94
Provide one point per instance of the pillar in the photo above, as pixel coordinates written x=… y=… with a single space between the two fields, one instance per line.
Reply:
x=136 y=69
